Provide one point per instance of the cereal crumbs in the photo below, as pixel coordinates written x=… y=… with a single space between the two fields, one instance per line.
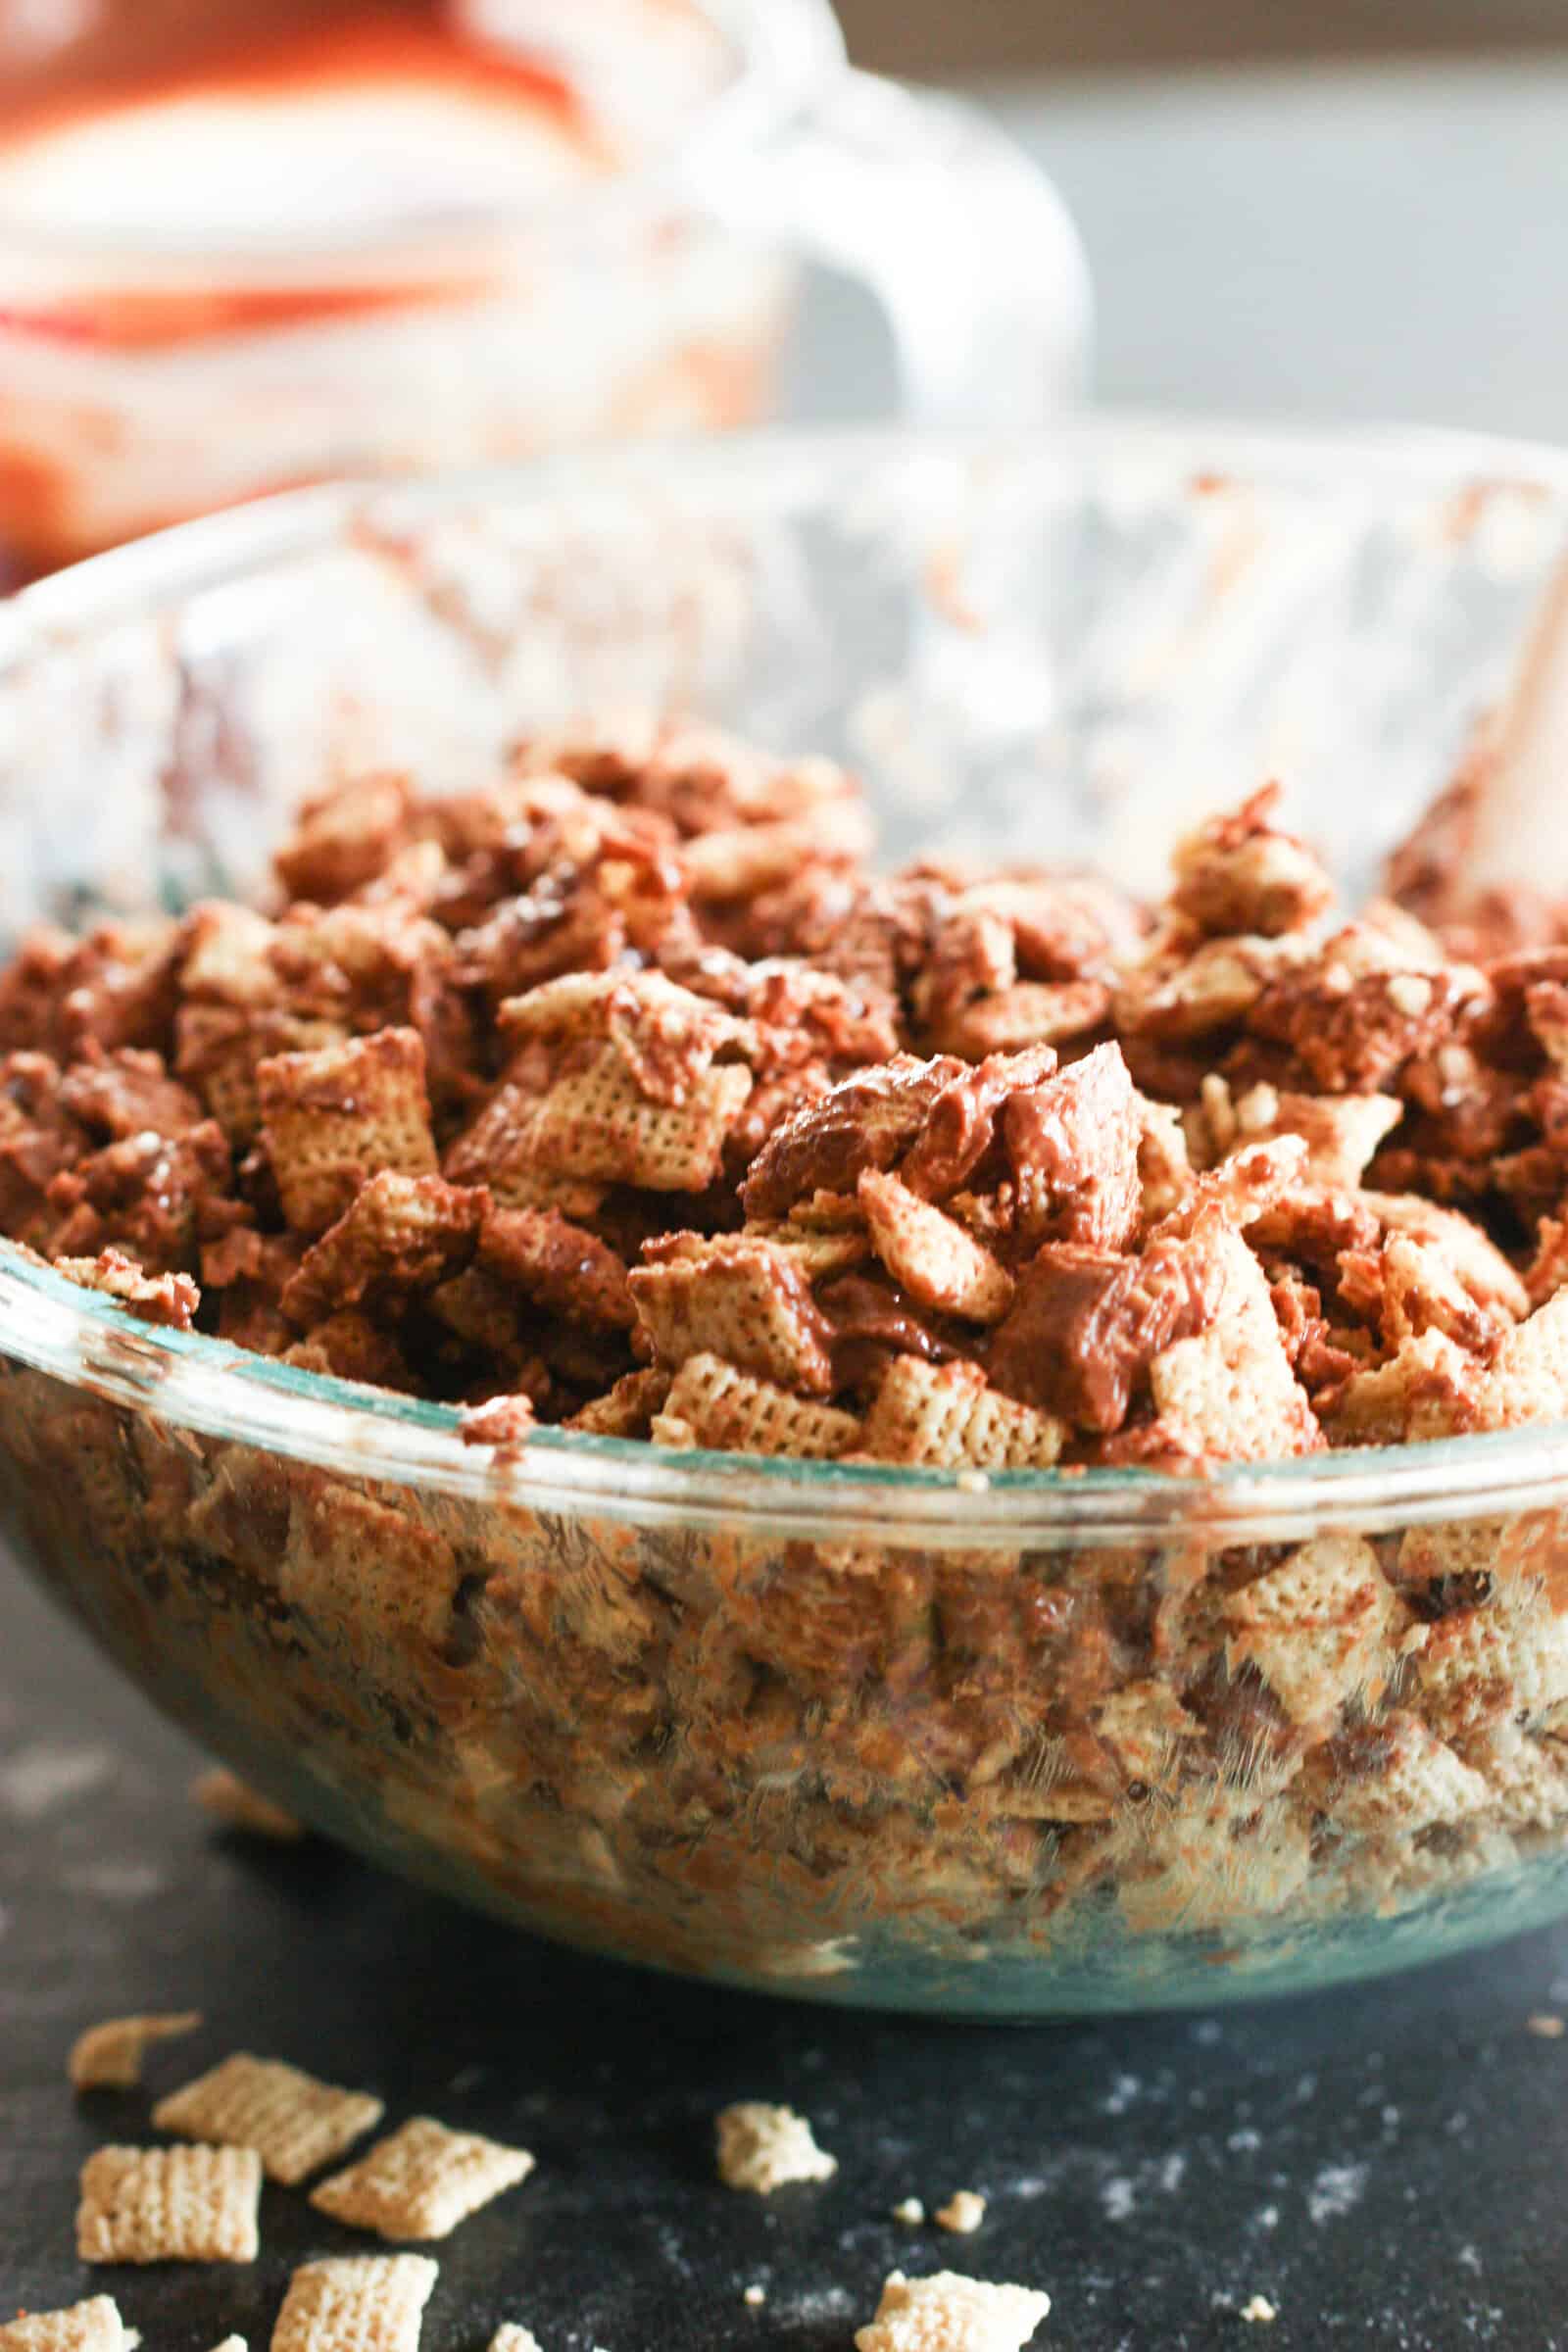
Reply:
x=763 y=2148
x=962 y=2214
x=1260 y=2309
x=946 y=2313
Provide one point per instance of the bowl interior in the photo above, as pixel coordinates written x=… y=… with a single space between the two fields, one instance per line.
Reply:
x=1068 y=650
x=1064 y=650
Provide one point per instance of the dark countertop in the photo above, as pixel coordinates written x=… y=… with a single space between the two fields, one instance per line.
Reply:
x=1385 y=2164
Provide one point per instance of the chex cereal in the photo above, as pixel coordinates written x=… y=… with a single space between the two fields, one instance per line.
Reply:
x=621 y=1096
x=94 y=2326
x=422 y=2180
x=292 y=2121
x=356 y=2303
x=763 y=2147
x=946 y=2313
x=184 y=2204
x=109 y=2057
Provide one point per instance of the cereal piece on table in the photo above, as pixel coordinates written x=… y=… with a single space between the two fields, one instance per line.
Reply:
x=108 y=2056
x=763 y=2148
x=292 y=2121
x=738 y=1297
x=94 y=2325
x=422 y=2180
x=710 y=1403
x=945 y=1416
x=510 y=2337
x=333 y=1117
x=1258 y=2309
x=231 y=2343
x=238 y=1806
x=962 y=2214
x=184 y=2204
x=930 y=1254
x=1545 y=2025
x=356 y=2303
x=911 y=2212
x=946 y=2313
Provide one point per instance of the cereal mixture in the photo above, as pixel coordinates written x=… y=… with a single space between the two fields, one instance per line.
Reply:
x=626 y=1097
x=623 y=1096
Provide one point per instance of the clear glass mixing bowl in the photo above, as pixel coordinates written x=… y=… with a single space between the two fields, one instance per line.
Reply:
x=862 y=1734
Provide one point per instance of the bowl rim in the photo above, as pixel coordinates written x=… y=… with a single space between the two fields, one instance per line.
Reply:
x=190 y=1381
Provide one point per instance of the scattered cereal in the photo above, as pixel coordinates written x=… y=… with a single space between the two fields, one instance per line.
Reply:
x=763 y=2148
x=1547 y=2025
x=754 y=2296
x=109 y=2057
x=1260 y=2309
x=94 y=2326
x=238 y=1806
x=962 y=2214
x=946 y=2313
x=185 y=2204
x=511 y=2338
x=292 y=2121
x=422 y=2180
x=910 y=2211
x=356 y=2303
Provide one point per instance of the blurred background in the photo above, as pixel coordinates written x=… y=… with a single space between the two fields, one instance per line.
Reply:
x=937 y=38
x=1349 y=211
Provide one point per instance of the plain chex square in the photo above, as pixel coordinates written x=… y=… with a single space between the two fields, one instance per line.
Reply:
x=186 y=2204
x=94 y=2326
x=422 y=2180
x=356 y=2303
x=292 y=2121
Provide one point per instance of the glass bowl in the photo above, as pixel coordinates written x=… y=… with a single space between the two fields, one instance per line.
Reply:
x=888 y=1736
